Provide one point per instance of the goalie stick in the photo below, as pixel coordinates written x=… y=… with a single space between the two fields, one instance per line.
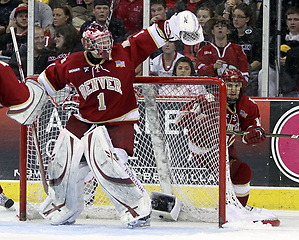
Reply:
x=39 y=157
x=276 y=135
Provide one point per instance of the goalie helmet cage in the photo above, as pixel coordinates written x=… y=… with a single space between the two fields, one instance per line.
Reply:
x=179 y=148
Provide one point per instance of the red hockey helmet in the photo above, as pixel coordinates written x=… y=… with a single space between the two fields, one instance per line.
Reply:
x=98 y=39
x=234 y=75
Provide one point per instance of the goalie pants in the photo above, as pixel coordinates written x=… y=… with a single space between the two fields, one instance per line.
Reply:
x=122 y=136
x=240 y=173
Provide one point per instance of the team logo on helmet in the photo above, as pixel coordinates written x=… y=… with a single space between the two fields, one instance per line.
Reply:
x=98 y=40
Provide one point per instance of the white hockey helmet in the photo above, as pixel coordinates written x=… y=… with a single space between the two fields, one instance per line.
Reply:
x=98 y=40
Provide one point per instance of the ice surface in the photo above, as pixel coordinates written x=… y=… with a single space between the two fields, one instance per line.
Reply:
x=12 y=229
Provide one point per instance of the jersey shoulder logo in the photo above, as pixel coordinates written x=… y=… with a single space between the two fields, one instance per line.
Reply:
x=243 y=113
x=119 y=63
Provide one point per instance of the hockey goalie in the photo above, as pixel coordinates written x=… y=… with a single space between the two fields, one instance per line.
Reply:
x=102 y=130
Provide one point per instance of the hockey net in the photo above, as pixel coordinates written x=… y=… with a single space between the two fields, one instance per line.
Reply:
x=183 y=158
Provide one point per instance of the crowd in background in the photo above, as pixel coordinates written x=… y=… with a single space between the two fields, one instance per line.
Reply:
x=232 y=30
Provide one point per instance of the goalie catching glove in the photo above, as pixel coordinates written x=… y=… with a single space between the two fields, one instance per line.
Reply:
x=254 y=135
x=184 y=26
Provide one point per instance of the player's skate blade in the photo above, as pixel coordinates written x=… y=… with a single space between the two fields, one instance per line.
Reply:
x=140 y=223
x=270 y=218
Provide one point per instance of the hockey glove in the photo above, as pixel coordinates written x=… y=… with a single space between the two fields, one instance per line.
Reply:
x=184 y=26
x=254 y=135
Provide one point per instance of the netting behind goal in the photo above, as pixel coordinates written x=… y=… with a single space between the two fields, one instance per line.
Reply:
x=179 y=148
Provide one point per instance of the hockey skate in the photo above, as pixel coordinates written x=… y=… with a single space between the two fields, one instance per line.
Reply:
x=6 y=202
x=141 y=222
x=269 y=217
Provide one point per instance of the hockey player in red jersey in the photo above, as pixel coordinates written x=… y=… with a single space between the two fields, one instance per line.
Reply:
x=102 y=130
x=242 y=115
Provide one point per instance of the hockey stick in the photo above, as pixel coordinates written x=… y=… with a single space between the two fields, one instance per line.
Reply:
x=34 y=134
x=276 y=135
x=110 y=13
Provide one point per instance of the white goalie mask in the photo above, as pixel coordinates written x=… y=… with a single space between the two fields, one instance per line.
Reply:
x=98 y=40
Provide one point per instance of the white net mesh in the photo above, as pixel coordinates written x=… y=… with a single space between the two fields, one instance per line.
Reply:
x=178 y=130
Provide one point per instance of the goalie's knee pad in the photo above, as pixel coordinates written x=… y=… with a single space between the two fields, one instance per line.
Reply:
x=119 y=183
x=66 y=176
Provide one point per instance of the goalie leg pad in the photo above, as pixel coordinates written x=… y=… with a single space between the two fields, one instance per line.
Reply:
x=119 y=183
x=65 y=201
x=28 y=112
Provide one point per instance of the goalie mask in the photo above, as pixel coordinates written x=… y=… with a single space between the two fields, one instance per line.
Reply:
x=235 y=84
x=98 y=40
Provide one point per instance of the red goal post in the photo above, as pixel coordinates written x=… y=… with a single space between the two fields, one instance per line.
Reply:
x=163 y=159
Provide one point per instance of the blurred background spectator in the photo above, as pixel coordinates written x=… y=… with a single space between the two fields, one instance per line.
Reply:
x=163 y=64
x=43 y=15
x=6 y=6
x=101 y=12
x=21 y=22
x=249 y=38
x=42 y=55
x=66 y=41
x=203 y=15
x=131 y=13
x=183 y=67
x=62 y=15
x=212 y=59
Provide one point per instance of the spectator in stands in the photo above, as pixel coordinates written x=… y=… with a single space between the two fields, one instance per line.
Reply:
x=42 y=55
x=183 y=67
x=190 y=5
x=62 y=15
x=101 y=12
x=131 y=13
x=226 y=8
x=66 y=41
x=5 y=201
x=21 y=22
x=158 y=10
x=203 y=15
x=214 y=58
x=74 y=3
x=163 y=64
x=80 y=16
x=43 y=15
x=289 y=60
x=6 y=6
x=250 y=40
x=89 y=6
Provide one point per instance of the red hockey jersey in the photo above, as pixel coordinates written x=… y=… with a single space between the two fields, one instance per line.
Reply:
x=106 y=89
x=232 y=54
x=12 y=93
x=245 y=114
